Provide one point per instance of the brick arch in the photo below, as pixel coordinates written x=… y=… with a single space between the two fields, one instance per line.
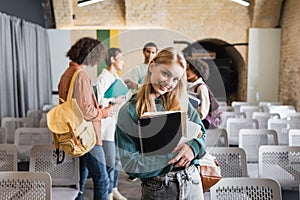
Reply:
x=228 y=61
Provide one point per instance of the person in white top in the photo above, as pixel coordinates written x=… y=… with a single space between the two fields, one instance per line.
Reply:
x=115 y=63
x=197 y=73
x=137 y=74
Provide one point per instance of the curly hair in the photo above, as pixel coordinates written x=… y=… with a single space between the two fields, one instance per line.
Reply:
x=199 y=67
x=87 y=51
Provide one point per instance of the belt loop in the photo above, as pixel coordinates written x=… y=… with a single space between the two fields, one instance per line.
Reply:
x=187 y=174
x=166 y=181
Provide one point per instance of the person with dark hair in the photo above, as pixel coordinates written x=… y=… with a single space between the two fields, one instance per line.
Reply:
x=170 y=175
x=197 y=73
x=115 y=63
x=87 y=52
x=137 y=74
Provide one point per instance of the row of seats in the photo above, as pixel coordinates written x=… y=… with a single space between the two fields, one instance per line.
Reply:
x=25 y=138
x=281 y=163
x=219 y=137
x=281 y=126
x=64 y=176
x=11 y=124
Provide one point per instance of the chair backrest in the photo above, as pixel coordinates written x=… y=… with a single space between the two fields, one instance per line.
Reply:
x=233 y=126
x=294 y=137
x=232 y=161
x=43 y=159
x=237 y=104
x=3 y=135
x=26 y=138
x=227 y=108
x=249 y=109
x=266 y=104
x=43 y=122
x=222 y=103
x=47 y=107
x=293 y=116
x=25 y=185
x=281 y=163
x=231 y=114
x=36 y=115
x=282 y=110
x=12 y=123
x=251 y=139
x=262 y=118
x=216 y=137
x=281 y=126
x=246 y=189
x=8 y=157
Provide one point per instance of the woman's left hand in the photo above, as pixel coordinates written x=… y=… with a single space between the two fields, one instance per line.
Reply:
x=184 y=156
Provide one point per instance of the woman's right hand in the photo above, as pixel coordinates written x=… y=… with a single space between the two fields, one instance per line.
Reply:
x=107 y=112
x=184 y=156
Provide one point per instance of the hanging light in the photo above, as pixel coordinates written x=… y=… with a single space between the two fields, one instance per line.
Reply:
x=242 y=2
x=87 y=2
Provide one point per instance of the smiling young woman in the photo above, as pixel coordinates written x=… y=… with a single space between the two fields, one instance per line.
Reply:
x=173 y=175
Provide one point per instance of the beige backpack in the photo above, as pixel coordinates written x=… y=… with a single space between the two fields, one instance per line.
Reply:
x=71 y=132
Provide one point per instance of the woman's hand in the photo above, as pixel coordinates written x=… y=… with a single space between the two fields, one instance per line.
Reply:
x=107 y=112
x=119 y=100
x=130 y=84
x=184 y=156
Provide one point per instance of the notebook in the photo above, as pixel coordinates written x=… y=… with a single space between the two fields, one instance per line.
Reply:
x=160 y=132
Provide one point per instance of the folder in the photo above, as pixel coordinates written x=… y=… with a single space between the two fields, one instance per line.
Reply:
x=117 y=88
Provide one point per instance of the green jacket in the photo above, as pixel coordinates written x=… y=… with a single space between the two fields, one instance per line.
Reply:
x=133 y=162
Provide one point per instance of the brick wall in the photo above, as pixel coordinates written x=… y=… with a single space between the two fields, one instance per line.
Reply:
x=199 y=19
x=289 y=92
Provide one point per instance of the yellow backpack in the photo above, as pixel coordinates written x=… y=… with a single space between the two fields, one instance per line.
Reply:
x=71 y=132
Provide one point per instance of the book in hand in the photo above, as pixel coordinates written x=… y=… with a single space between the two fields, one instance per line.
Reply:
x=193 y=130
x=160 y=132
x=194 y=100
x=117 y=88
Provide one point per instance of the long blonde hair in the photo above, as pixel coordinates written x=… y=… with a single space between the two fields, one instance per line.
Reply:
x=172 y=99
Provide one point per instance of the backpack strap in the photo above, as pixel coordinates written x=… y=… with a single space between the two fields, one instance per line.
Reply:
x=69 y=98
x=197 y=86
x=71 y=87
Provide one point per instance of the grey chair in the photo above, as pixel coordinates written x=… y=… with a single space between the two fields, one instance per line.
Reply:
x=65 y=176
x=233 y=126
x=232 y=161
x=36 y=115
x=13 y=123
x=246 y=189
x=25 y=185
x=3 y=135
x=8 y=157
x=216 y=137
x=26 y=138
x=281 y=163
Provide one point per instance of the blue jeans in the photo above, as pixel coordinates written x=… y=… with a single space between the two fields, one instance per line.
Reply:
x=112 y=163
x=184 y=184
x=93 y=163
